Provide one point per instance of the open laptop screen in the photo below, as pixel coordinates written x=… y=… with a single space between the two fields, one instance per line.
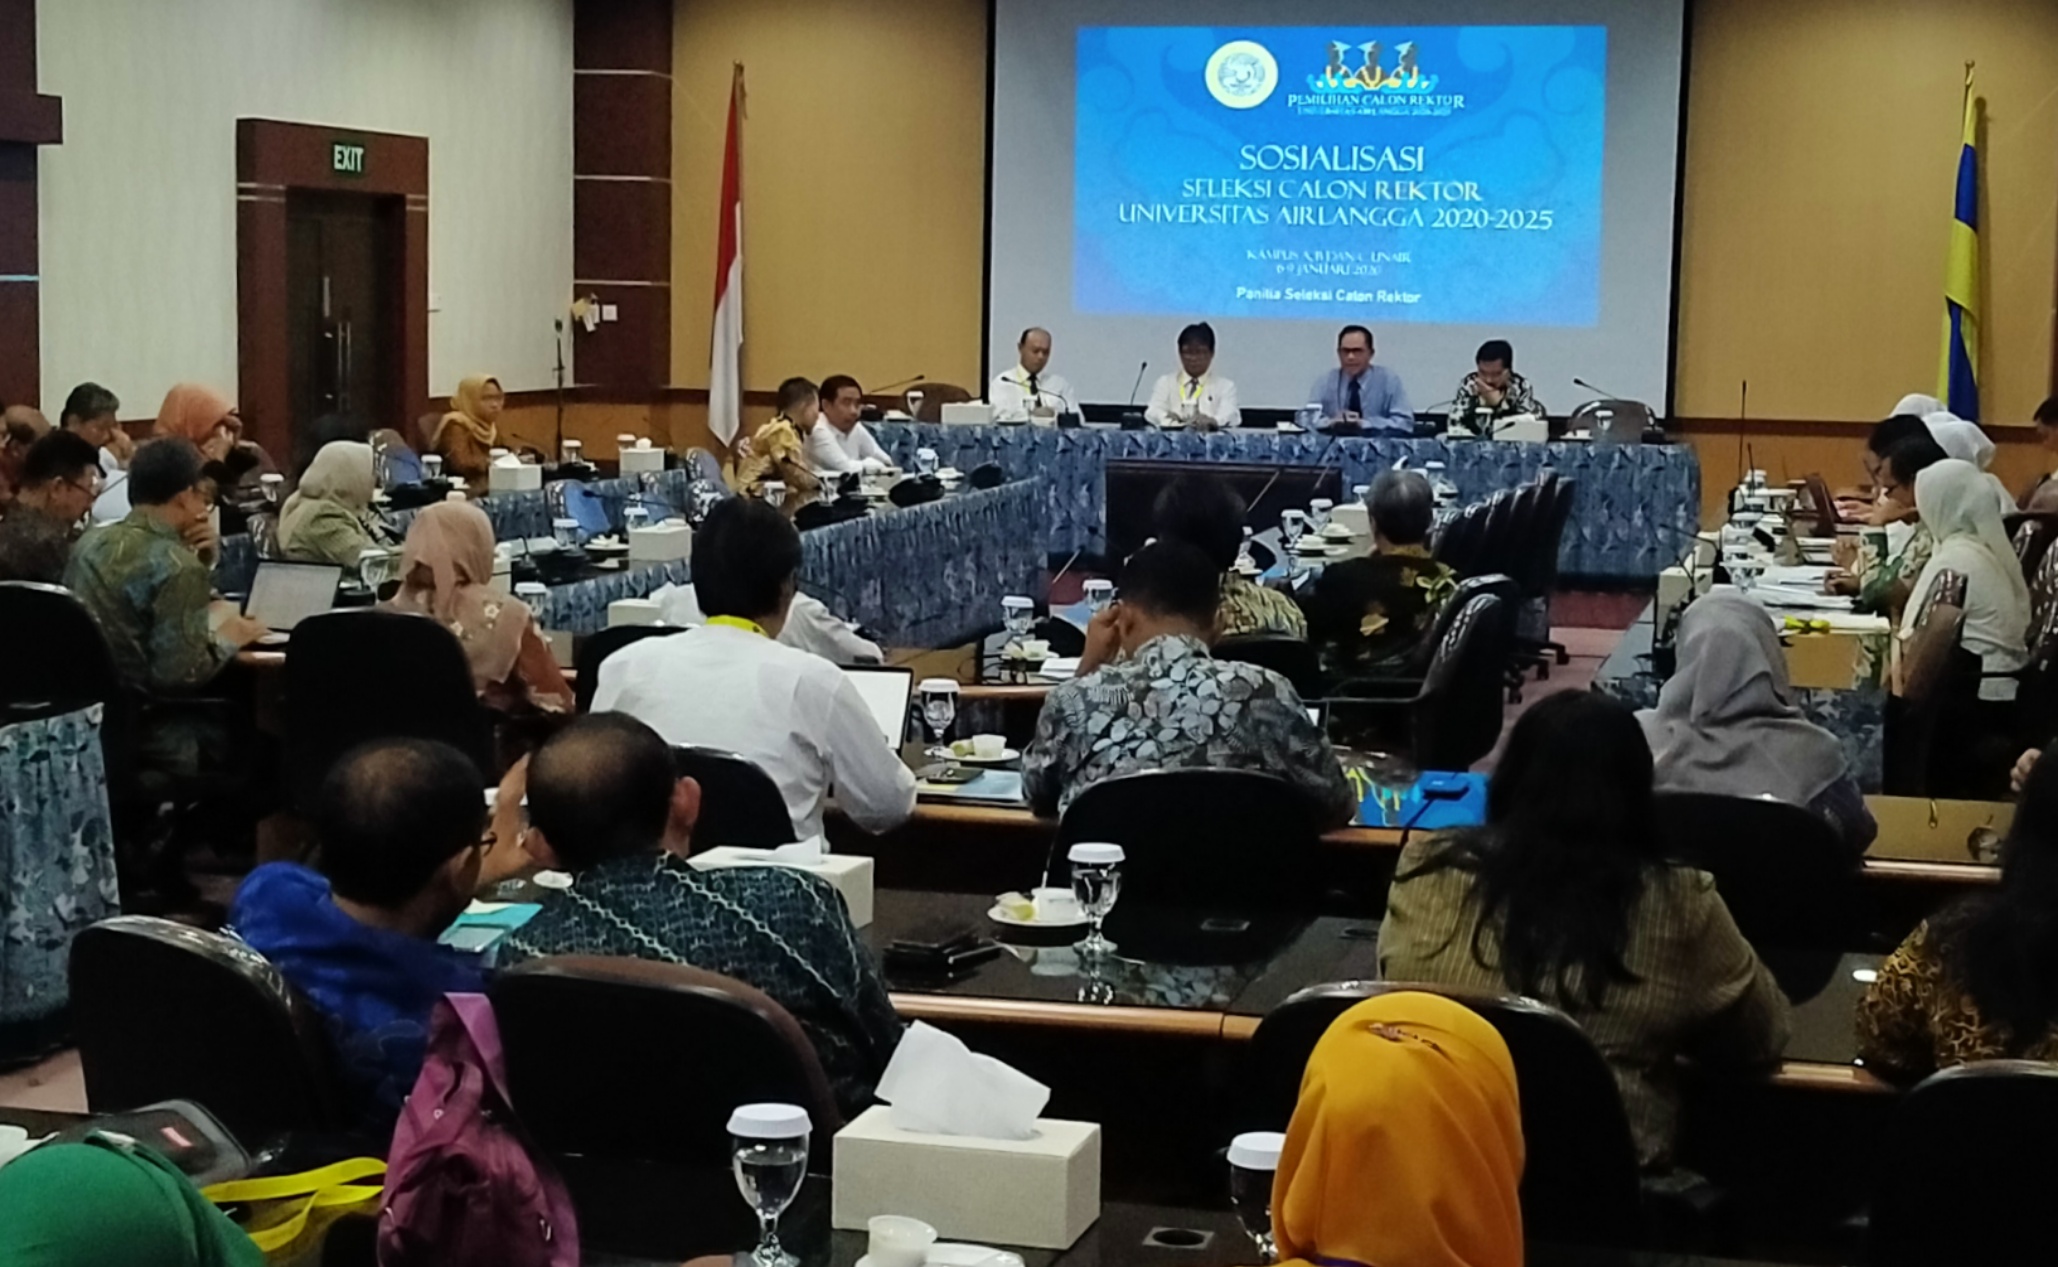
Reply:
x=284 y=594
x=886 y=692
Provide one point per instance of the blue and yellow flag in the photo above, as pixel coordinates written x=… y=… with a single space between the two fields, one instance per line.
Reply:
x=1958 y=378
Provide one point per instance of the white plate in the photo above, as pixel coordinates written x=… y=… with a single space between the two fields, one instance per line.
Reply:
x=999 y=915
x=1006 y=755
x=946 y=1254
x=1326 y=552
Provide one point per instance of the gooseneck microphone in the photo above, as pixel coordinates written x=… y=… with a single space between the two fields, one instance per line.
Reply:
x=1137 y=386
x=903 y=383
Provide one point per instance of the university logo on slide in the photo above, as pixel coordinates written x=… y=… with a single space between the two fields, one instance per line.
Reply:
x=1355 y=80
x=1242 y=74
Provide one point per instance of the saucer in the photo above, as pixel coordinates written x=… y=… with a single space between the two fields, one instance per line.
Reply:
x=999 y=915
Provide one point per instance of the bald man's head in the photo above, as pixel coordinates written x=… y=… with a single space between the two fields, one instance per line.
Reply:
x=1034 y=345
x=601 y=789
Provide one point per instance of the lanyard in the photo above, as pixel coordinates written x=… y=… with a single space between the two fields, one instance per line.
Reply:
x=738 y=622
x=1190 y=390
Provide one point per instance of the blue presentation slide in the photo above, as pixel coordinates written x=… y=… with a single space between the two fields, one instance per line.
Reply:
x=1446 y=174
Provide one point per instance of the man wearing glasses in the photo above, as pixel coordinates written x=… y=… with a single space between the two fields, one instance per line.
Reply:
x=59 y=480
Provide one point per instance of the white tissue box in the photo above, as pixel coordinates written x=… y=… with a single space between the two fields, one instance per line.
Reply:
x=634 y=611
x=1042 y=1192
x=1524 y=428
x=660 y=544
x=642 y=461
x=849 y=874
x=516 y=477
x=970 y=413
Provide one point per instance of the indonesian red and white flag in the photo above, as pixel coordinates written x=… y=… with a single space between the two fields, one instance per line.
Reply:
x=725 y=374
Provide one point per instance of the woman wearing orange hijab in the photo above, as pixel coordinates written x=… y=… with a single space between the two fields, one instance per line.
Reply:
x=446 y=571
x=1406 y=1145
x=203 y=416
x=471 y=429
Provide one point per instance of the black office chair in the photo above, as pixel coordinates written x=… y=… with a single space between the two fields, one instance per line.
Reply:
x=1457 y=544
x=1536 y=575
x=64 y=665
x=164 y=1011
x=1452 y=717
x=626 y=1071
x=1966 y=1170
x=1785 y=876
x=1580 y=1183
x=355 y=676
x=597 y=647
x=739 y=803
x=1291 y=658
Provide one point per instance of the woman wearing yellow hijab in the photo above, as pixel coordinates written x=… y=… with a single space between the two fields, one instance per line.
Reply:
x=471 y=428
x=1406 y=1145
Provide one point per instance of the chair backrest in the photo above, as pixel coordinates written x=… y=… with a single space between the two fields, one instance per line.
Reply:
x=1966 y=1173
x=1925 y=663
x=1500 y=543
x=1227 y=842
x=1785 y=876
x=1547 y=541
x=597 y=647
x=1458 y=713
x=61 y=661
x=1947 y=591
x=425 y=432
x=936 y=395
x=164 y=1011
x=1291 y=658
x=355 y=676
x=2043 y=592
x=625 y=1072
x=739 y=803
x=1457 y=543
x=1580 y=1181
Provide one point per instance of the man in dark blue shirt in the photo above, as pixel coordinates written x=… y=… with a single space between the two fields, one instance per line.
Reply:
x=402 y=829
x=606 y=805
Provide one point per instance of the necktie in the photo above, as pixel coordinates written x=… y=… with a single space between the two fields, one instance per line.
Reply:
x=1354 y=402
x=1035 y=393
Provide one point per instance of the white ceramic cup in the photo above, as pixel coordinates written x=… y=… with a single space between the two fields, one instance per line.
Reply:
x=898 y=1241
x=1035 y=648
x=989 y=747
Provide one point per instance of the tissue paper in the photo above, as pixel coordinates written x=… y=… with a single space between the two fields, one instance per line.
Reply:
x=939 y=1086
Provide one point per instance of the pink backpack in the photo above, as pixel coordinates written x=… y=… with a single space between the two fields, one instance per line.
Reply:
x=463 y=1186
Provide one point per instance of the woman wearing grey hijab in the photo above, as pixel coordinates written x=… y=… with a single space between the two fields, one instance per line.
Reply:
x=1726 y=723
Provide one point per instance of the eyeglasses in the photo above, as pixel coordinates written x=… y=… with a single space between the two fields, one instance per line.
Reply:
x=91 y=486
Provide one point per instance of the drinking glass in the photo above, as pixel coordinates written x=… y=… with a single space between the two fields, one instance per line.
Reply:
x=1253 y=1159
x=768 y=1148
x=939 y=707
x=1362 y=493
x=572 y=454
x=925 y=461
x=1019 y=614
x=1245 y=561
x=634 y=516
x=272 y=485
x=432 y=466
x=915 y=398
x=774 y=492
x=566 y=531
x=1318 y=513
x=1096 y=882
x=1100 y=594
x=1292 y=523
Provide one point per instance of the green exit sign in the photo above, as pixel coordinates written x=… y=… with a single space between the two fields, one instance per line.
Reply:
x=346 y=158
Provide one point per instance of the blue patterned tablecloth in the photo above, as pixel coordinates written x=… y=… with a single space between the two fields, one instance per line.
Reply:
x=56 y=858
x=1857 y=716
x=920 y=576
x=1636 y=505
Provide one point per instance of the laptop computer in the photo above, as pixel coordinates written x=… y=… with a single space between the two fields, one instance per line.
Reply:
x=284 y=594
x=887 y=691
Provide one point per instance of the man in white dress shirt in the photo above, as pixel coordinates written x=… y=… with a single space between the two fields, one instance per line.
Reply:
x=732 y=685
x=1029 y=390
x=838 y=443
x=1194 y=397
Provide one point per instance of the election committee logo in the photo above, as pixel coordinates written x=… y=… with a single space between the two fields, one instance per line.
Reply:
x=1242 y=74
x=1356 y=80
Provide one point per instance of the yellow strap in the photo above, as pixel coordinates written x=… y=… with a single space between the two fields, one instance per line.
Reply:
x=305 y=1183
x=738 y=622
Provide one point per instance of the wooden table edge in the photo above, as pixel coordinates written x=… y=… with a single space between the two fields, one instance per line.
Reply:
x=1079 y=1016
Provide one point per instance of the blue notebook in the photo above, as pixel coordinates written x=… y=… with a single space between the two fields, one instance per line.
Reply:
x=999 y=787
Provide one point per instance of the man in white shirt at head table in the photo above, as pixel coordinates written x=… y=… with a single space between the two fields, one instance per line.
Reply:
x=838 y=444
x=731 y=685
x=1195 y=396
x=1359 y=391
x=1029 y=390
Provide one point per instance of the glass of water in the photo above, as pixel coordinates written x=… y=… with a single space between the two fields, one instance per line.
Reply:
x=939 y=707
x=432 y=466
x=768 y=1147
x=273 y=486
x=1018 y=614
x=1100 y=595
x=1245 y=561
x=1292 y=523
x=1096 y=882
x=1318 y=513
x=925 y=461
x=572 y=454
x=1253 y=1160
x=634 y=516
x=1362 y=494
x=566 y=531
x=774 y=492
x=915 y=399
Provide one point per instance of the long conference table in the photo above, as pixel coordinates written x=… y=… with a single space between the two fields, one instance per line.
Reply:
x=927 y=575
x=1636 y=507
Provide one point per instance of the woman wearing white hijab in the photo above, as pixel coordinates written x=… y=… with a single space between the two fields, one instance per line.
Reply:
x=1726 y=724
x=1960 y=439
x=1953 y=499
x=328 y=517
